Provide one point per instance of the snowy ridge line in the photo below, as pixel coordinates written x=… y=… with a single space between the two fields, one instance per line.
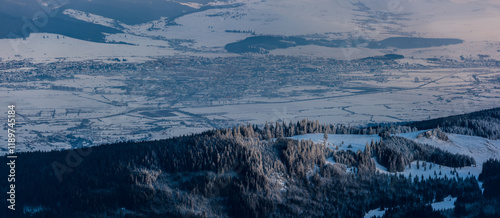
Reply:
x=191 y=4
x=93 y=18
x=479 y=148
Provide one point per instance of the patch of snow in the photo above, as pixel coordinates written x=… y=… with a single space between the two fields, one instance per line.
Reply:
x=192 y=4
x=48 y=47
x=380 y=168
x=92 y=18
x=481 y=149
x=375 y=213
x=447 y=203
x=411 y=135
x=435 y=171
x=345 y=142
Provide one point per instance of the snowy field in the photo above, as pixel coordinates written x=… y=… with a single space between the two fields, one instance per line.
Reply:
x=54 y=119
x=447 y=203
x=345 y=142
x=481 y=149
x=116 y=116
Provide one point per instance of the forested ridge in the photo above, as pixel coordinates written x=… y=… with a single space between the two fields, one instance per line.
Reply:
x=485 y=123
x=247 y=171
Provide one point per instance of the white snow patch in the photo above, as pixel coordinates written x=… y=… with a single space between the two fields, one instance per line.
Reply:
x=447 y=203
x=92 y=18
x=375 y=212
x=433 y=172
x=345 y=142
x=48 y=47
x=479 y=148
x=380 y=168
x=192 y=4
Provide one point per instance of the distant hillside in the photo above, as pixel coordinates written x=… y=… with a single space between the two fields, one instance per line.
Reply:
x=61 y=24
x=18 y=19
x=265 y=43
x=485 y=123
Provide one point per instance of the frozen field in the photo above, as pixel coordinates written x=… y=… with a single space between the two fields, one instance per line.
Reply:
x=345 y=142
x=481 y=149
x=447 y=203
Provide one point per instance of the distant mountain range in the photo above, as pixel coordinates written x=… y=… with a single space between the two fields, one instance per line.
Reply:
x=165 y=27
x=18 y=19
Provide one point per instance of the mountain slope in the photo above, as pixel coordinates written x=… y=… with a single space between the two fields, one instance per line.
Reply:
x=235 y=172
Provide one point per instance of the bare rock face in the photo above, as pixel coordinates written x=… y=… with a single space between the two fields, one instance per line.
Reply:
x=435 y=133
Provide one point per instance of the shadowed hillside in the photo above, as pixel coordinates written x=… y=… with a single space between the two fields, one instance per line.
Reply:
x=238 y=172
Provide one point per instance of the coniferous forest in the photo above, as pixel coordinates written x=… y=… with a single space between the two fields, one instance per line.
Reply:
x=252 y=171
